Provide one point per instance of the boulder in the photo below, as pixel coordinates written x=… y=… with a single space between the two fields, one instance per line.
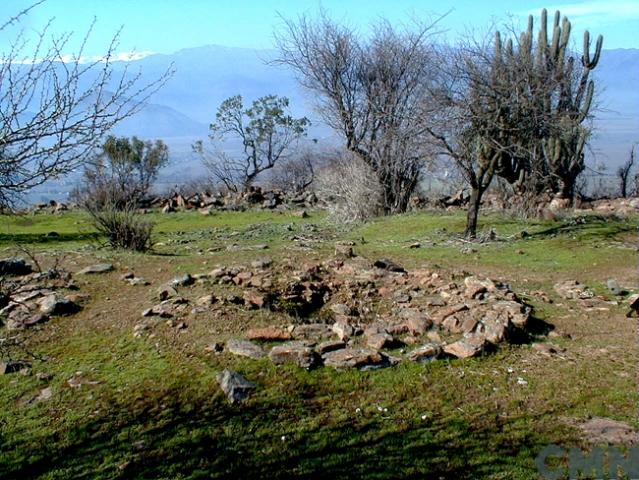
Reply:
x=343 y=330
x=183 y=281
x=353 y=358
x=96 y=269
x=466 y=347
x=379 y=341
x=294 y=352
x=269 y=334
x=417 y=323
x=426 y=353
x=244 y=348
x=166 y=292
x=235 y=386
x=57 y=305
x=312 y=331
x=614 y=287
x=14 y=267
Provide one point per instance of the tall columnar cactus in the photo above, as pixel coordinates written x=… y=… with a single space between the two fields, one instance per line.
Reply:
x=567 y=104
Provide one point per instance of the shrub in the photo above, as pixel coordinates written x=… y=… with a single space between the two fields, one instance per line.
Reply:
x=350 y=189
x=123 y=228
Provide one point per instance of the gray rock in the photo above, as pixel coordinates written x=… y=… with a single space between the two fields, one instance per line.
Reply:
x=330 y=346
x=294 y=352
x=353 y=358
x=14 y=266
x=312 y=331
x=57 y=305
x=166 y=292
x=244 y=348
x=183 y=281
x=343 y=330
x=235 y=386
x=94 y=269
x=426 y=353
x=614 y=287
x=13 y=366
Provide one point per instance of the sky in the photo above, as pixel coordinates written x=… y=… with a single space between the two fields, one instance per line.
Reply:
x=165 y=26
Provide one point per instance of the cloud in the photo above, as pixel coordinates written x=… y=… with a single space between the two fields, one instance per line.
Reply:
x=596 y=11
x=115 y=57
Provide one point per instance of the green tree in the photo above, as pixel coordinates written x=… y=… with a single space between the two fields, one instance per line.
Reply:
x=266 y=131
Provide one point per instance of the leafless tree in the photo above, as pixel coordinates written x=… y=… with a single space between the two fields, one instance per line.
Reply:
x=370 y=91
x=624 y=172
x=266 y=132
x=55 y=108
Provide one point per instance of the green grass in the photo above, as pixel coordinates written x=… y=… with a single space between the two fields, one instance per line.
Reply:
x=156 y=410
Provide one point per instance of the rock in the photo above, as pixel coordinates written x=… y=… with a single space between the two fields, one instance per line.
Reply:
x=573 y=290
x=353 y=358
x=466 y=347
x=269 y=334
x=341 y=309
x=45 y=394
x=344 y=250
x=244 y=348
x=416 y=322
x=343 y=330
x=475 y=286
x=95 y=269
x=183 y=281
x=215 y=347
x=294 y=352
x=166 y=292
x=14 y=266
x=494 y=327
x=206 y=300
x=546 y=349
x=380 y=341
x=57 y=305
x=312 y=331
x=235 y=386
x=599 y=430
x=157 y=311
x=242 y=278
x=138 y=281
x=614 y=287
x=330 y=346
x=389 y=265
x=633 y=302
x=262 y=264
x=256 y=300
x=415 y=245
x=13 y=366
x=301 y=214
x=426 y=353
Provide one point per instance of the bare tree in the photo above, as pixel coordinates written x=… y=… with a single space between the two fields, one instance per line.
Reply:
x=369 y=91
x=623 y=173
x=266 y=132
x=55 y=108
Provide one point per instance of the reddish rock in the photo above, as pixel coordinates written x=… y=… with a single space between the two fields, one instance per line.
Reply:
x=353 y=358
x=294 y=352
x=269 y=334
x=466 y=347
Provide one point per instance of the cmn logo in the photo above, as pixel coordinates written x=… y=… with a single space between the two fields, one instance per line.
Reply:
x=551 y=463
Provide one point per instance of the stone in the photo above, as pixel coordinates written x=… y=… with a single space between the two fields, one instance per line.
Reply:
x=183 y=281
x=546 y=349
x=573 y=290
x=215 y=347
x=614 y=287
x=312 y=331
x=255 y=300
x=417 y=323
x=379 y=341
x=206 y=300
x=235 y=386
x=57 y=305
x=244 y=348
x=14 y=266
x=262 y=263
x=344 y=250
x=353 y=358
x=341 y=309
x=242 y=278
x=13 y=366
x=45 y=394
x=633 y=303
x=599 y=430
x=166 y=292
x=157 y=311
x=343 y=330
x=495 y=328
x=389 y=265
x=444 y=313
x=96 y=269
x=269 y=334
x=466 y=347
x=138 y=281
x=426 y=353
x=475 y=286
x=294 y=352
x=330 y=346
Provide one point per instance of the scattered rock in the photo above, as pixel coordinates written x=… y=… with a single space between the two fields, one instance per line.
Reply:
x=166 y=292
x=235 y=386
x=206 y=300
x=14 y=266
x=95 y=269
x=183 y=281
x=269 y=334
x=343 y=330
x=466 y=347
x=13 y=366
x=599 y=430
x=389 y=265
x=426 y=353
x=344 y=250
x=244 y=348
x=57 y=305
x=573 y=290
x=353 y=358
x=380 y=341
x=294 y=352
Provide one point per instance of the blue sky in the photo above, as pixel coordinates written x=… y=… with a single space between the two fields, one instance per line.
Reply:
x=165 y=26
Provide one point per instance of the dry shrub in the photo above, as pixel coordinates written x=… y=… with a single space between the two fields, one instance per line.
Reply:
x=350 y=189
x=123 y=228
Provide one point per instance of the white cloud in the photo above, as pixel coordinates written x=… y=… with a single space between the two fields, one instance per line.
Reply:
x=115 y=57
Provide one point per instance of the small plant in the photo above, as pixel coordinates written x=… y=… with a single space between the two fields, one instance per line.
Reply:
x=123 y=227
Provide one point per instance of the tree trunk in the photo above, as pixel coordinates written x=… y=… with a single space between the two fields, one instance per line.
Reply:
x=473 y=212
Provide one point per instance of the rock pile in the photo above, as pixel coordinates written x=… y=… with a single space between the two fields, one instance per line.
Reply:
x=353 y=313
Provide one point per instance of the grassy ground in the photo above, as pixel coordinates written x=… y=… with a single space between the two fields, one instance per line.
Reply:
x=151 y=408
